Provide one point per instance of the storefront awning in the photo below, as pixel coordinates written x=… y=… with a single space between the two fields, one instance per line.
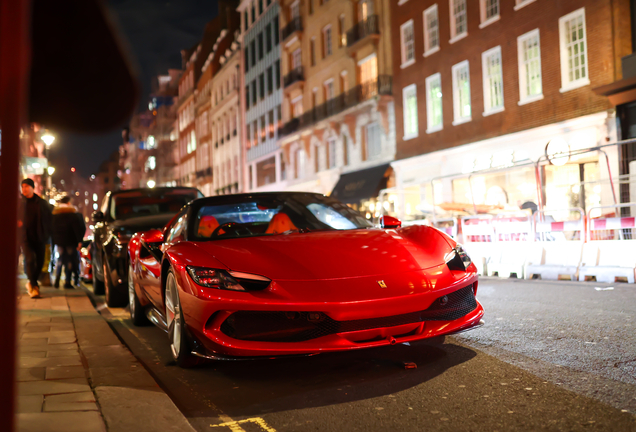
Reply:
x=619 y=92
x=360 y=185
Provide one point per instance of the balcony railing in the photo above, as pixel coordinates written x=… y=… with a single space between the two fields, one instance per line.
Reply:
x=363 y=29
x=294 y=25
x=360 y=93
x=295 y=75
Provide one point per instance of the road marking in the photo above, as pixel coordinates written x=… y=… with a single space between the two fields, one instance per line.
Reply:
x=234 y=426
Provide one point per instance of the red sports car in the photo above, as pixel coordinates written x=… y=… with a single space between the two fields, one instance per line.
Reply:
x=287 y=273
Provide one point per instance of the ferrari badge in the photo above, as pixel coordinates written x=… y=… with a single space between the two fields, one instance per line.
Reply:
x=382 y=284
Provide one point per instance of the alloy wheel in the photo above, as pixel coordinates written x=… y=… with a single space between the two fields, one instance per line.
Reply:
x=131 y=291
x=173 y=315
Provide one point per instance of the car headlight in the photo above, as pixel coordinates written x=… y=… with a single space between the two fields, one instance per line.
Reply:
x=227 y=280
x=457 y=259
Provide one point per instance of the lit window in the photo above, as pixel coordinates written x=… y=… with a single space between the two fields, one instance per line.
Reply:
x=573 y=50
x=409 y=97
x=341 y=31
x=493 y=81
x=458 y=23
x=461 y=93
x=434 y=117
x=489 y=11
x=431 y=30
x=529 y=49
x=408 y=46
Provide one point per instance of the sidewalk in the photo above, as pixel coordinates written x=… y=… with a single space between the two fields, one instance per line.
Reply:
x=74 y=374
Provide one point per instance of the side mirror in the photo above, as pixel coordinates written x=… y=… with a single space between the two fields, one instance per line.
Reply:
x=98 y=216
x=390 y=222
x=152 y=236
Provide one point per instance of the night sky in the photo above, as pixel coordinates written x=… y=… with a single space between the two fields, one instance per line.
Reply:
x=156 y=32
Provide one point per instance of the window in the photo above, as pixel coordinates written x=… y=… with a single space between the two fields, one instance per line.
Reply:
x=493 y=81
x=279 y=116
x=253 y=52
x=342 y=36
x=277 y=72
x=247 y=59
x=254 y=97
x=374 y=143
x=268 y=37
x=312 y=50
x=431 y=31
x=263 y=128
x=521 y=3
x=458 y=23
x=247 y=96
x=409 y=98
x=365 y=10
x=270 y=81
x=271 y=123
x=253 y=12
x=489 y=11
x=294 y=10
x=255 y=129
x=369 y=70
x=260 y=7
x=260 y=46
x=245 y=20
x=276 y=35
x=408 y=46
x=343 y=82
x=249 y=135
x=261 y=85
x=461 y=93
x=434 y=117
x=573 y=50
x=530 y=85
x=329 y=90
x=345 y=150
x=299 y=162
x=297 y=107
x=296 y=59
x=331 y=149
x=326 y=42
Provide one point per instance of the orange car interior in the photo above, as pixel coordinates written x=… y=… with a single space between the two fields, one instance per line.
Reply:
x=279 y=224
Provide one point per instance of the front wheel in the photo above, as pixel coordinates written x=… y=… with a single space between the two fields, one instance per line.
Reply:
x=136 y=312
x=115 y=296
x=179 y=345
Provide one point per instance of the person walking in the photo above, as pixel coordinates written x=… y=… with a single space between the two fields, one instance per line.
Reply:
x=34 y=223
x=68 y=232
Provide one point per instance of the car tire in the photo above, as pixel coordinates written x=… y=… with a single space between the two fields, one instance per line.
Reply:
x=180 y=345
x=134 y=306
x=114 y=296
x=98 y=285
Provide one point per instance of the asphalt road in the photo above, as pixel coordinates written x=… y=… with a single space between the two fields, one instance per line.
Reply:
x=552 y=356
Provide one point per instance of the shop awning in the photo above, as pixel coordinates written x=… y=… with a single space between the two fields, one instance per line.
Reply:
x=360 y=185
x=619 y=92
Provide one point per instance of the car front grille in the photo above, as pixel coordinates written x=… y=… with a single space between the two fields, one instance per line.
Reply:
x=265 y=326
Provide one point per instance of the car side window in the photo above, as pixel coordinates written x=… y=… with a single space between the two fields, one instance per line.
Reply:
x=178 y=229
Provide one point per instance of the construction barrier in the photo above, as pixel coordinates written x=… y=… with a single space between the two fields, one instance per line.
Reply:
x=513 y=232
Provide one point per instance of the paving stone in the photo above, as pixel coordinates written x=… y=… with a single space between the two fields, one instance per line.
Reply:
x=132 y=376
x=60 y=353
x=65 y=372
x=36 y=335
x=35 y=329
x=61 y=320
x=36 y=321
x=30 y=404
x=31 y=374
x=84 y=401
x=72 y=346
x=48 y=387
x=31 y=342
x=33 y=354
x=44 y=346
x=108 y=356
x=69 y=360
x=62 y=339
x=88 y=421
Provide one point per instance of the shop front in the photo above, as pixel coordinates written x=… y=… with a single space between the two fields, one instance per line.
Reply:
x=360 y=189
x=555 y=167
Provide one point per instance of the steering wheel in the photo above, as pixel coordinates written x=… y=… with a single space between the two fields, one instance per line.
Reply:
x=230 y=226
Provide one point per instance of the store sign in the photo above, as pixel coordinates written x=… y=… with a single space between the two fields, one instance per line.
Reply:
x=493 y=161
x=34 y=165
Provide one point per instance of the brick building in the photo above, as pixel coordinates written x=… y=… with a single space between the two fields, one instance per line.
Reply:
x=482 y=87
x=338 y=105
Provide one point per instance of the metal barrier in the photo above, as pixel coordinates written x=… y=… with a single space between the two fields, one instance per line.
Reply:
x=615 y=227
x=546 y=228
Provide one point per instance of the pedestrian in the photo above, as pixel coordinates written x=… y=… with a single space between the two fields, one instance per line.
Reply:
x=35 y=230
x=68 y=232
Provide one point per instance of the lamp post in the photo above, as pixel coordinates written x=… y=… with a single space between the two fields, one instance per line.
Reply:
x=49 y=180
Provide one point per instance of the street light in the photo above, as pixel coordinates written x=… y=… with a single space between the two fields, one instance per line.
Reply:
x=50 y=170
x=48 y=139
x=151 y=183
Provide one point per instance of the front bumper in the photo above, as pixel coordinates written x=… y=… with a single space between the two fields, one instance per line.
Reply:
x=208 y=320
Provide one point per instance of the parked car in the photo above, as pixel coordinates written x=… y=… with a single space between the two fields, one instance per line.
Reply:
x=122 y=214
x=86 y=265
x=273 y=274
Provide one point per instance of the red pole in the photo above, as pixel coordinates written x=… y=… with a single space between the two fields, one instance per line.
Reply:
x=15 y=55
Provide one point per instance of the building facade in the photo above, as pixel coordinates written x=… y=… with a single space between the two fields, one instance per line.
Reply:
x=338 y=109
x=489 y=90
x=261 y=95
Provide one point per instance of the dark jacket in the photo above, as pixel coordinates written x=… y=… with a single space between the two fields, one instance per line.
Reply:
x=35 y=214
x=68 y=226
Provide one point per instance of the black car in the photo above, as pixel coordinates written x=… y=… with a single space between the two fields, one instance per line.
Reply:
x=122 y=214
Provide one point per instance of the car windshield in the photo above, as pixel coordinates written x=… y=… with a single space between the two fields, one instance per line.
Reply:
x=150 y=202
x=274 y=215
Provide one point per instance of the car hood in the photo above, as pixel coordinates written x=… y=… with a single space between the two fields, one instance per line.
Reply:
x=141 y=223
x=331 y=254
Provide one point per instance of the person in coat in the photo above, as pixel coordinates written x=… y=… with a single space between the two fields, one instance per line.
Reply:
x=68 y=232
x=34 y=223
